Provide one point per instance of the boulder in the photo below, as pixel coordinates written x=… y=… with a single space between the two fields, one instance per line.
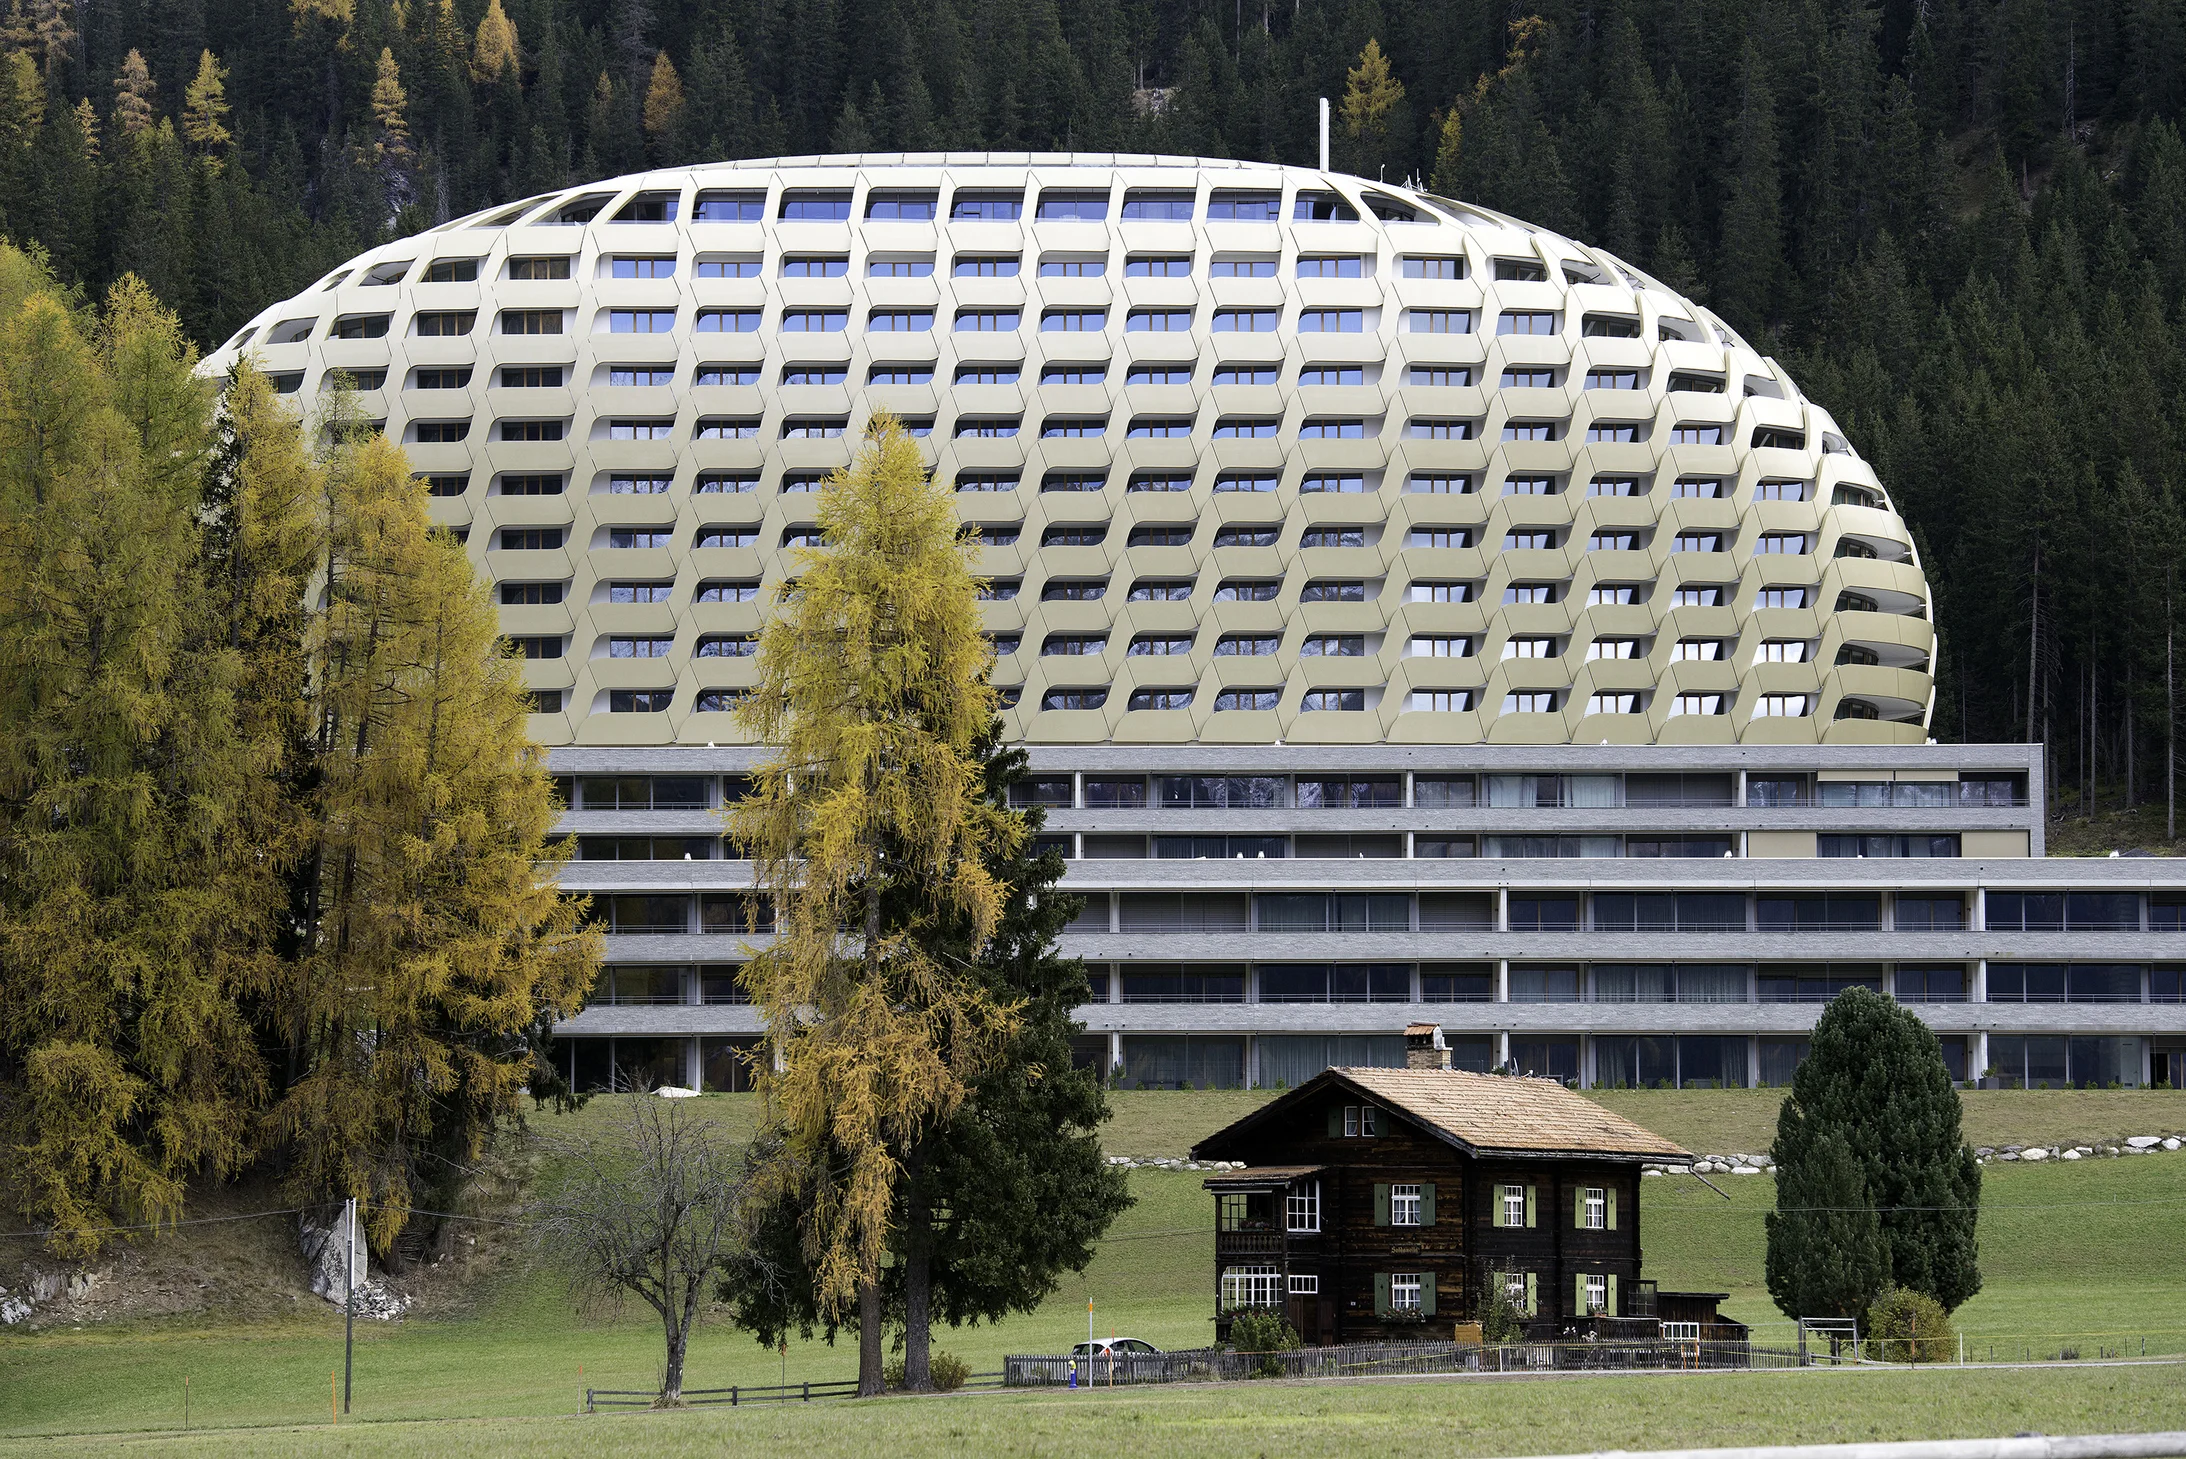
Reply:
x=2171 y=1144
x=2142 y=1142
x=673 y=1091
x=1745 y=1170
x=2069 y=1155
x=323 y=1241
x=13 y=1309
x=2037 y=1153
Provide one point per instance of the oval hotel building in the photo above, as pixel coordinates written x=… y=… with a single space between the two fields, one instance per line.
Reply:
x=1412 y=615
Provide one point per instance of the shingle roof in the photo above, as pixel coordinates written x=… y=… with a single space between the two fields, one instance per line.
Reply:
x=1489 y=1112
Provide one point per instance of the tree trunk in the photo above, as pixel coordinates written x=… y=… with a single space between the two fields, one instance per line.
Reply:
x=870 y=1382
x=918 y=1283
x=671 y=1374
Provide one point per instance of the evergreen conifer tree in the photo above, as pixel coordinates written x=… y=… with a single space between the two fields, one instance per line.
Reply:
x=1874 y=1084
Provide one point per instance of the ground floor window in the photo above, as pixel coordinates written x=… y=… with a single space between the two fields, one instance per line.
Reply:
x=1167 y=1062
x=1305 y=1284
x=1594 y=1292
x=2065 y=1062
x=1404 y=1291
x=1250 y=1286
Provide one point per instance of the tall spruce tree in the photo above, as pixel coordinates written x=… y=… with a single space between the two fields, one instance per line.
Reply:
x=1873 y=1084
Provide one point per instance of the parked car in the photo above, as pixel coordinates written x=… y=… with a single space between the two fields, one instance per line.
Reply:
x=1118 y=1346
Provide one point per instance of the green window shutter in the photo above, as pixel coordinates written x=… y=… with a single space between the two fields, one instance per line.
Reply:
x=1495 y=1205
x=1381 y=1211
x=1381 y=1294
x=1610 y=1194
x=1533 y=1294
x=1578 y=1208
x=1613 y=1294
x=1578 y=1294
x=1532 y=1216
x=1427 y=1203
x=1427 y=1293
x=1335 y=1122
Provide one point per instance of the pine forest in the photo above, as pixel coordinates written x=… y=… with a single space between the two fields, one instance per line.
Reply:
x=1960 y=223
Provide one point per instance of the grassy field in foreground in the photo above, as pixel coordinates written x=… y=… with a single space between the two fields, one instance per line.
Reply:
x=2088 y=1257
x=1305 y=1420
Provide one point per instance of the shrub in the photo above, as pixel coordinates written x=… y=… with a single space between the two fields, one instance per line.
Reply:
x=1266 y=1333
x=1905 y=1326
x=947 y=1370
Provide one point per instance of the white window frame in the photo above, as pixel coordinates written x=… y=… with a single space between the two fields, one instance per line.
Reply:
x=1358 y=1121
x=1514 y=1205
x=1302 y=1207
x=1405 y=1291
x=1305 y=1284
x=1514 y=1289
x=1596 y=1199
x=1404 y=1204
x=1597 y=1293
x=1256 y=1285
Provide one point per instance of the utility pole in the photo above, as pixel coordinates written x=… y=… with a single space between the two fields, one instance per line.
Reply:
x=349 y=1295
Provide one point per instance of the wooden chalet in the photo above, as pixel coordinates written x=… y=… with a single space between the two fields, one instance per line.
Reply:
x=1376 y=1203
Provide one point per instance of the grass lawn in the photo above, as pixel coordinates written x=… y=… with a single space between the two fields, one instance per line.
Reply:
x=2088 y=1256
x=1721 y=1121
x=1464 y=1416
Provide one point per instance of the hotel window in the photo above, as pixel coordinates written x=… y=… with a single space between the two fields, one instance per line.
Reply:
x=1439 y=375
x=1343 y=483
x=456 y=379
x=1073 y=426
x=984 y=321
x=1613 y=704
x=880 y=321
x=639 y=701
x=1441 y=701
x=1160 y=699
x=1699 y=650
x=1439 y=321
x=1417 y=266
x=1345 y=699
x=1529 y=377
x=1329 y=375
x=1422 y=429
x=814 y=267
x=639 y=648
x=1074 y=699
x=1529 y=648
x=1697 y=542
x=1154 y=266
x=1239 y=205
x=530 y=539
x=893 y=268
x=1530 y=702
x=1241 y=645
x=1529 y=538
x=641 y=321
x=1433 y=592
x=984 y=266
x=1230 y=321
x=815 y=205
x=1616 y=486
x=1439 y=537
x=1531 y=430
x=1073 y=321
x=1782 y=706
x=1614 y=431
x=1324 y=429
x=532 y=593
x=1697 y=704
x=1696 y=435
x=1613 y=542
x=1780 y=598
x=1332 y=537
x=1788 y=543
x=900 y=375
x=1439 y=646
x=731 y=321
x=1159 y=645
x=1159 y=427
x=1161 y=481
x=1333 y=591
x=1607 y=593
x=1518 y=321
x=1438 y=483
x=1235 y=535
x=1139 y=375
x=1162 y=590
x=1237 y=427
x=1247 y=698
x=1331 y=321
x=1704 y=487
x=1229 y=374
x=1612 y=379
x=727 y=592
x=904 y=207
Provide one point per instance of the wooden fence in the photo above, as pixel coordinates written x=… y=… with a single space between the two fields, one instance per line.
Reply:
x=1366 y=1360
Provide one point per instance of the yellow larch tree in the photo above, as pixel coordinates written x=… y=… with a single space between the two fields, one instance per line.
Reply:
x=867 y=826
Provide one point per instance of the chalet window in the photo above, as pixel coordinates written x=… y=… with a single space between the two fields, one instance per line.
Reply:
x=1593 y=1209
x=1302 y=1210
x=1250 y=1286
x=1306 y=1284
x=1514 y=1205
x=1404 y=1205
x=1358 y=1122
x=1518 y=1290
x=1404 y=1291
x=1593 y=1293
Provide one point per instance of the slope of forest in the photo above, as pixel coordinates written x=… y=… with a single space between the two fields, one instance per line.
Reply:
x=1961 y=223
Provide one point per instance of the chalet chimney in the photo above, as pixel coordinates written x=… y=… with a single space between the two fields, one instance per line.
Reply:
x=1423 y=1047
